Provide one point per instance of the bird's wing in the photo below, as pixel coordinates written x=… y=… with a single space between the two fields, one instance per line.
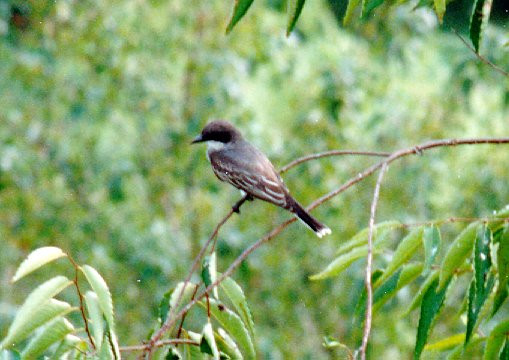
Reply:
x=248 y=169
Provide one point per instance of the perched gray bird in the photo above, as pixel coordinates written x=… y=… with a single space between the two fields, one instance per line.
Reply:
x=239 y=163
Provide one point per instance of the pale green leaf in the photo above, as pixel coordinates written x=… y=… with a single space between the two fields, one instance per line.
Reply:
x=238 y=299
x=431 y=240
x=208 y=343
x=209 y=273
x=96 y=321
x=69 y=343
x=53 y=332
x=439 y=9
x=103 y=293
x=350 y=11
x=36 y=259
x=234 y=325
x=446 y=343
x=226 y=345
x=458 y=252
x=361 y=238
x=32 y=305
x=405 y=250
x=496 y=340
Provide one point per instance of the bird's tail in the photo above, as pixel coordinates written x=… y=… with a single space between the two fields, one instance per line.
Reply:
x=319 y=228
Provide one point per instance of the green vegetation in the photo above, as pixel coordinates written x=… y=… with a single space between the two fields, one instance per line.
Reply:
x=100 y=99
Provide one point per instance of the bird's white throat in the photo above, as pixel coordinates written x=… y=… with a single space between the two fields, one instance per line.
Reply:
x=213 y=146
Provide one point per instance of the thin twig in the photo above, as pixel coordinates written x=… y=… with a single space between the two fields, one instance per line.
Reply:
x=184 y=316
x=480 y=57
x=331 y=153
x=369 y=264
x=80 y=297
x=170 y=321
x=158 y=344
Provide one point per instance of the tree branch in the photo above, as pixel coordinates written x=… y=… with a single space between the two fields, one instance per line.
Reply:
x=158 y=344
x=369 y=264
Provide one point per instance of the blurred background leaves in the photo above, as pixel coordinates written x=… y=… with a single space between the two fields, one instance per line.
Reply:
x=99 y=101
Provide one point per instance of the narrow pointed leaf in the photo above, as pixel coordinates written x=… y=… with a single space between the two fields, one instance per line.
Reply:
x=439 y=9
x=96 y=321
x=405 y=250
x=45 y=313
x=53 y=332
x=458 y=252
x=36 y=259
x=361 y=238
x=431 y=304
x=209 y=272
x=193 y=352
x=238 y=299
x=208 y=343
x=478 y=21
x=67 y=344
x=28 y=311
x=239 y=10
x=294 y=10
x=341 y=263
x=103 y=293
x=446 y=343
x=350 y=11
x=416 y=302
x=503 y=271
x=368 y=6
x=226 y=345
x=431 y=240
x=496 y=340
x=481 y=285
x=233 y=324
x=173 y=354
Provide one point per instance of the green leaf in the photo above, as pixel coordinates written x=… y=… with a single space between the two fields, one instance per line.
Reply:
x=400 y=279
x=226 y=345
x=28 y=316
x=361 y=238
x=36 y=259
x=405 y=250
x=478 y=21
x=46 y=312
x=496 y=340
x=341 y=263
x=294 y=10
x=53 y=332
x=233 y=324
x=481 y=286
x=446 y=343
x=103 y=293
x=193 y=352
x=208 y=343
x=239 y=10
x=238 y=299
x=360 y=308
x=503 y=271
x=422 y=290
x=96 y=318
x=504 y=355
x=431 y=240
x=170 y=298
x=458 y=252
x=439 y=9
x=350 y=11
x=70 y=342
x=432 y=302
x=173 y=354
x=209 y=272
x=368 y=6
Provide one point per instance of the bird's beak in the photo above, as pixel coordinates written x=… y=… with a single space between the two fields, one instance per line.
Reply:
x=197 y=139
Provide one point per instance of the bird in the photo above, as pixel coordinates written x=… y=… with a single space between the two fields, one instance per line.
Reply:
x=236 y=161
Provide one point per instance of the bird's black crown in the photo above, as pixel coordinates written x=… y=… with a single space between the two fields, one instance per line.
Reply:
x=221 y=131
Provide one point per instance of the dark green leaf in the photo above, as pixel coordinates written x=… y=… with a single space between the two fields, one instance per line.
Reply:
x=173 y=354
x=505 y=351
x=208 y=343
x=503 y=270
x=431 y=240
x=480 y=16
x=432 y=301
x=360 y=308
x=239 y=10
x=368 y=6
x=294 y=10
x=350 y=11
x=496 y=340
x=209 y=272
x=480 y=286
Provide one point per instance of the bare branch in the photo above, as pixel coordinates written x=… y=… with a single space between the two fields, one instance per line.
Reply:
x=331 y=153
x=369 y=264
x=160 y=343
x=480 y=57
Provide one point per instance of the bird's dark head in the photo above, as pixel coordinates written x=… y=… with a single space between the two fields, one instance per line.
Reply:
x=220 y=131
